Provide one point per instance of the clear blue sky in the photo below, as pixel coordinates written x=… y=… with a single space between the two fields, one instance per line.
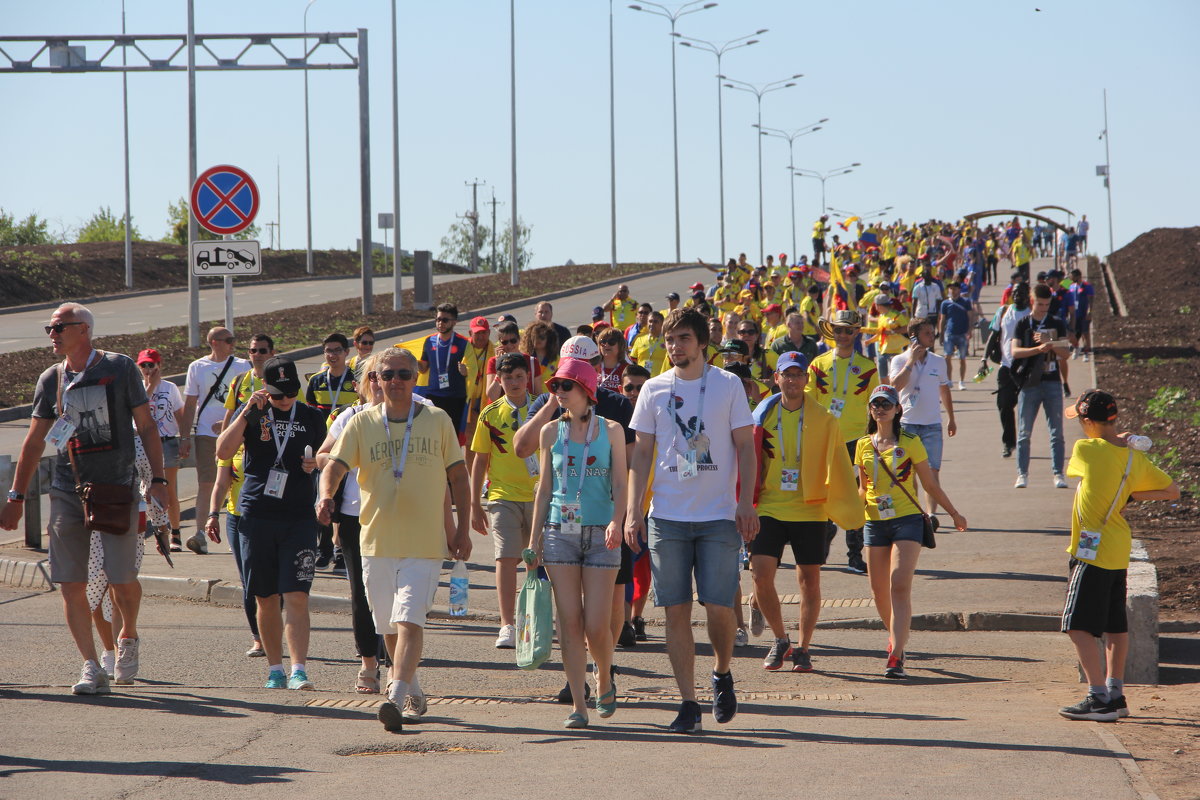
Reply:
x=951 y=107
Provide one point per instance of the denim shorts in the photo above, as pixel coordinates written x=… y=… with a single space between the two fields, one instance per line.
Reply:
x=955 y=344
x=278 y=555
x=931 y=437
x=883 y=532
x=708 y=550
x=585 y=549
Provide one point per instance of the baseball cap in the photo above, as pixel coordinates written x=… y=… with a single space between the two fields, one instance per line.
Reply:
x=597 y=313
x=887 y=392
x=599 y=325
x=505 y=318
x=580 y=347
x=480 y=324
x=1041 y=276
x=280 y=376
x=672 y=296
x=773 y=308
x=735 y=346
x=795 y=273
x=581 y=372
x=792 y=359
x=1094 y=404
x=697 y=286
x=149 y=355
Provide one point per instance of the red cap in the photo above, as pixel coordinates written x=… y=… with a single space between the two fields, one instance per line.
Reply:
x=480 y=324
x=582 y=372
x=774 y=308
x=596 y=326
x=697 y=287
x=149 y=354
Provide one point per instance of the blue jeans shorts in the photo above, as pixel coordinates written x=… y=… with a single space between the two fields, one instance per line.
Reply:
x=708 y=550
x=883 y=532
x=585 y=549
x=956 y=344
x=278 y=555
x=931 y=437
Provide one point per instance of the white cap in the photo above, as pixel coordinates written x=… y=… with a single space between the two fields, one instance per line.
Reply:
x=581 y=347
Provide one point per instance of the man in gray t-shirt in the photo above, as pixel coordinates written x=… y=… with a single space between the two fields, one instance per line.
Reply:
x=101 y=402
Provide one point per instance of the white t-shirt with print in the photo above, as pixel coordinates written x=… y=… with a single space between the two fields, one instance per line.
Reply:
x=164 y=402
x=921 y=396
x=202 y=374
x=711 y=495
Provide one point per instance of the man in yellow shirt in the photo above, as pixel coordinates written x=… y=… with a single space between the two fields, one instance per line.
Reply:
x=804 y=478
x=841 y=381
x=818 y=239
x=622 y=308
x=649 y=349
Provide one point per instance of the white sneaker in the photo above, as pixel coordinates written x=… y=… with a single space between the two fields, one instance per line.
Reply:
x=415 y=706
x=1022 y=481
x=961 y=387
x=92 y=680
x=197 y=544
x=1060 y=482
x=507 y=640
x=741 y=638
x=757 y=622
x=127 y=661
x=1074 y=354
x=108 y=661
x=1087 y=357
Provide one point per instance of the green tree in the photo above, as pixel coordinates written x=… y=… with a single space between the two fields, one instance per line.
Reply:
x=177 y=226
x=31 y=230
x=105 y=227
x=456 y=244
x=504 y=244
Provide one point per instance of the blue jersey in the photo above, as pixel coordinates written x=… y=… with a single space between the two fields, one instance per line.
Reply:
x=957 y=314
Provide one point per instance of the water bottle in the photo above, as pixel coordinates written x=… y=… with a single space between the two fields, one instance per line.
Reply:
x=459 y=589
x=1141 y=443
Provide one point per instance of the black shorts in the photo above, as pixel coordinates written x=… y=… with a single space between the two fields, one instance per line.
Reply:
x=1095 y=600
x=809 y=540
x=625 y=571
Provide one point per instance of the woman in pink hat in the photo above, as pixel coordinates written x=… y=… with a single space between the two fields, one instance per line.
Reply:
x=579 y=515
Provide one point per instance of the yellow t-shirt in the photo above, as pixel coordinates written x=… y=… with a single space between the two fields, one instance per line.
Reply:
x=476 y=361
x=888 y=248
x=508 y=475
x=241 y=388
x=894 y=340
x=901 y=460
x=650 y=353
x=772 y=500
x=239 y=477
x=1101 y=466
x=725 y=298
x=847 y=383
x=778 y=332
x=401 y=519
x=624 y=313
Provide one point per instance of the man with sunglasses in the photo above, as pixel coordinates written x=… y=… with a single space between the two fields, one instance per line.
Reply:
x=442 y=357
x=278 y=529
x=204 y=393
x=331 y=389
x=364 y=345
x=405 y=453
x=841 y=380
x=88 y=406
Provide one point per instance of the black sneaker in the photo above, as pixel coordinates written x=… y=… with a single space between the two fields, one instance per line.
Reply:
x=895 y=668
x=801 y=661
x=857 y=566
x=323 y=561
x=339 y=560
x=564 y=696
x=639 y=628
x=688 y=719
x=1120 y=705
x=390 y=716
x=1007 y=452
x=628 y=637
x=780 y=650
x=724 y=700
x=1092 y=708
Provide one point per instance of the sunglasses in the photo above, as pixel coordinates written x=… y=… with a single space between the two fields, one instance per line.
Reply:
x=259 y=350
x=840 y=331
x=287 y=394
x=59 y=327
x=882 y=405
x=367 y=343
x=509 y=341
x=387 y=374
x=562 y=385
x=440 y=320
x=631 y=388
x=149 y=365
x=748 y=332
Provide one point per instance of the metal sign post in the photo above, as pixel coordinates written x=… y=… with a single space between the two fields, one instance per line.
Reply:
x=225 y=200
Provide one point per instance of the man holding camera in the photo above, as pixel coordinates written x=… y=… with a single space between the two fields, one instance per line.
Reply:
x=1039 y=341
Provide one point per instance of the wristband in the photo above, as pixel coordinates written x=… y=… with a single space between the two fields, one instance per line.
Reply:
x=162 y=481
x=215 y=515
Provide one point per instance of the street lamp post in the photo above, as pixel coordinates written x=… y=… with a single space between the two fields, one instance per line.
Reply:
x=308 y=259
x=824 y=176
x=719 y=50
x=673 y=16
x=879 y=212
x=812 y=127
x=397 y=264
x=758 y=92
x=612 y=137
x=515 y=238
x=125 y=115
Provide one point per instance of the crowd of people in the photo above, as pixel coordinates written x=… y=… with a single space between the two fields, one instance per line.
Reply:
x=647 y=453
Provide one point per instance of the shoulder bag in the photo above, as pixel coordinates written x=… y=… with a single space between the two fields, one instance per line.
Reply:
x=927 y=537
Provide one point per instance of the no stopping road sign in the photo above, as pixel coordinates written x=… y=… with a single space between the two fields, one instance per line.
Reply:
x=224 y=199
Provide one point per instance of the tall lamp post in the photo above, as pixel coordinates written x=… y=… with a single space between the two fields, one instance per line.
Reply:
x=612 y=137
x=397 y=265
x=879 y=212
x=812 y=127
x=758 y=92
x=719 y=50
x=308 y=259
x=824 y=176
x=673 y=15
x=1107 y=173
x=515 y=238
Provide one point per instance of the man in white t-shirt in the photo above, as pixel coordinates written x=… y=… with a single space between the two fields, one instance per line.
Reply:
x=695 y=436
x=923 y=380
x=927 y=297
x=204 y=394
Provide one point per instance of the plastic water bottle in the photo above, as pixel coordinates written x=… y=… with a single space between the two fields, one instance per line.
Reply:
x=460 y=589
x=1141 y=443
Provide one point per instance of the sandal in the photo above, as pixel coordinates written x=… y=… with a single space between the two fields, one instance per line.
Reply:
x=368 y=681
x=576 y=720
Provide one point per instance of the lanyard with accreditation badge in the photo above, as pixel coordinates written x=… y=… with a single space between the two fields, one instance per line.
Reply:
x=63 y=429
x=838 y=404
x=571 y=514
x=443 y=377
x=789 y=477
x=277 y=476
x=685 y=460
x=398 y=469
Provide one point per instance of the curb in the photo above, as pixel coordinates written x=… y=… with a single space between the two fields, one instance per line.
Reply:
x=23 y=412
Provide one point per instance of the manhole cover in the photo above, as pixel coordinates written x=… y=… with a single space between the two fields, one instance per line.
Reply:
x=415 y=748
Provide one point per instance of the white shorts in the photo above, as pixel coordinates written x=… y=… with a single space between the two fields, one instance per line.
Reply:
x=400 y=590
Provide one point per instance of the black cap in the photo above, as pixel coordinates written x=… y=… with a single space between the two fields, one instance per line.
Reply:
x=1095 y=405
x=280 y=377
x=735 y=346
x=672 y=296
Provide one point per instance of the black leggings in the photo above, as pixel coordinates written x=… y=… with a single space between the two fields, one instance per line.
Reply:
x=1006 y=402
x=366 y=641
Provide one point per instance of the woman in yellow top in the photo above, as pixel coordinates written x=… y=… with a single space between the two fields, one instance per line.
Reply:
x=887 y=459
x=890 y=323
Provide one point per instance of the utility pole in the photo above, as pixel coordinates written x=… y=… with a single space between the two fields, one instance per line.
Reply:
x=1108 y=178
x=493 y=203
x=472 y=216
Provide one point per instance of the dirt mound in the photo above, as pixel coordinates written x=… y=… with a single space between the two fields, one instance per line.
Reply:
x=1158 y=276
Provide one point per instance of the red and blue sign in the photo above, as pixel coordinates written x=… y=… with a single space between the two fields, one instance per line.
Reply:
x=225 y=199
